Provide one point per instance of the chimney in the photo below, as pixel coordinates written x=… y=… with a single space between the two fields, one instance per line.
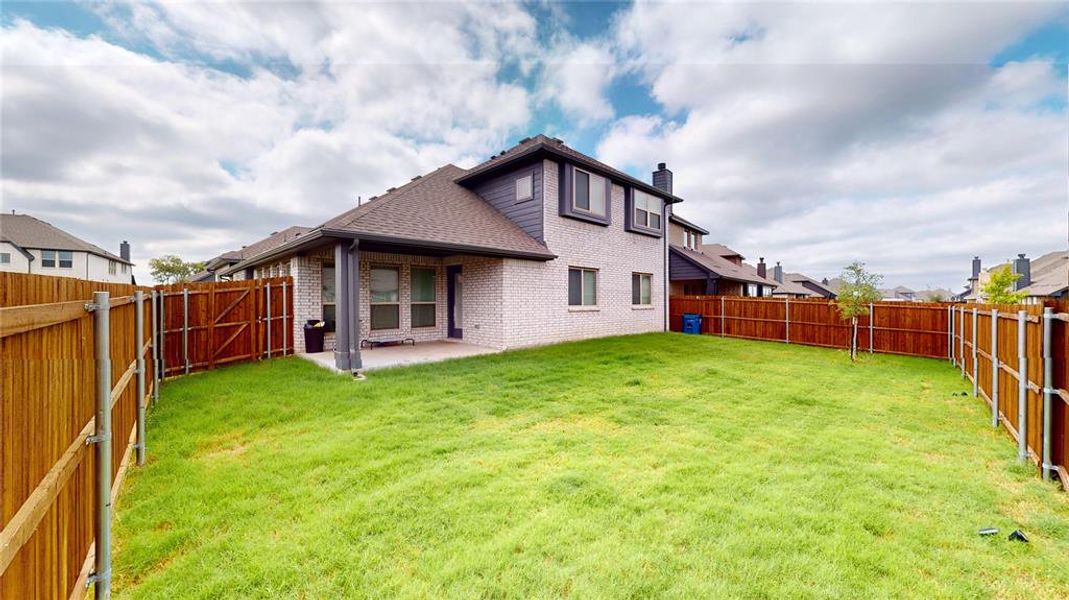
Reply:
x=777 y=273
x=662 y=178
x=975 y=267
x=1023 y=267
x=124 y=250
x=761 y=270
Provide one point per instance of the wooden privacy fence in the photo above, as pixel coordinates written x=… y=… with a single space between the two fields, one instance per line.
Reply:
x=1027 y=338
x=1016 y=358
x=910 y=328
x=79 y=363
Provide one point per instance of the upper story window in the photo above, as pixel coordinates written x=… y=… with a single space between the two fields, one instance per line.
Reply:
x=525 y=188
x=647 y=210
x=66 y=259
x=48 y=258
x=582 y=287
x=690 y=239
x=5 y=258
x=125 y=267
x=111 y=267
x=589 y=193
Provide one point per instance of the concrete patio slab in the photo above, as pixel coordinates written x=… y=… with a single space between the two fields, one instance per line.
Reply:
x=397 y=356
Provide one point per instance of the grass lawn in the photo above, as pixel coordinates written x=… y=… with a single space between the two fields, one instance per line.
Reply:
x=645 y=466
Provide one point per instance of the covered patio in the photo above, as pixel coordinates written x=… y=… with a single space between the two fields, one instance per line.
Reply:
x=384 y=357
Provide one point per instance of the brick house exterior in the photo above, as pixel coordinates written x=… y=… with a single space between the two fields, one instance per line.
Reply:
x=505 y=242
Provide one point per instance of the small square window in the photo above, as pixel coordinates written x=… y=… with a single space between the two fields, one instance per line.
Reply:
x=5 y=258
x=48 y=258
x=525 y=188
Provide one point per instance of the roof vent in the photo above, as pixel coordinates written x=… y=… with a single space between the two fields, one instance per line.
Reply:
x=274 y=233
x=558 y=140
x=371 y=198
x=390 y=190
x=525 y=140
x=416 y=177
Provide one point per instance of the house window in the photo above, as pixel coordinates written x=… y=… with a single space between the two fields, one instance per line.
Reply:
x=5 y=258
x=589 y=193
x=525 y=188
x=647 y=210
x=751 y=289
x=111 y=267
x=327 y=297
x=641 y=288
x=48 y=258
x=424 y=297
x=582 y=287
x=125 y=268
x=385 y=298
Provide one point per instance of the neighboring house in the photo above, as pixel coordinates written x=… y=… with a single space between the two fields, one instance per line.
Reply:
x=934 y=295
x=1043 y=278
x=898 y=293
x=538 y=244
x=797 y=285
x=220 y=268
x=30 y=245
x=714 y=269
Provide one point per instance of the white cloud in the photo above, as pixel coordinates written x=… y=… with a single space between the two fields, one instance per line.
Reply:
x=576 y=76
x=820 y=133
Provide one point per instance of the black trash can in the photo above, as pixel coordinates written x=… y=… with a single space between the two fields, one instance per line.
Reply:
x=313 y=336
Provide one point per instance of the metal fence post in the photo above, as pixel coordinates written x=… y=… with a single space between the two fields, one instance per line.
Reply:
x=961 y=343
x=268 y=320
x=787 y=314
x=1048 y=392
x=155 y=332
x=185 y=327
x=102 y=438
x=975 y=368
x=949 y=333
x=285 y=321
x=994 y=367
x=139 y=334
x=723 y=319
x=872 y=326
x=1022 y=387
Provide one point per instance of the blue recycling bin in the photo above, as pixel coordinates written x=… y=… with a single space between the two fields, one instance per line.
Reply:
x=692 y=323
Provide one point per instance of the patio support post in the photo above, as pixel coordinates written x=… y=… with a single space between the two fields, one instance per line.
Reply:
x=994 y=367
x=975 y=368
x=139 y=344
x=185 y=327
x=155 y=351
x=1048 y=392
x=341 y=284
x=1022 y=388
x=355 y=362
x=102 y=438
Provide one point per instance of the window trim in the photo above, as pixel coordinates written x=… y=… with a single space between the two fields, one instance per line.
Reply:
x=414 y=303
x=566 y=194
x=69 y=259
x=638 y=276
x=590 y=197
x=373 y=303
x=45 y=259
x=631 y=223
x=582 y=287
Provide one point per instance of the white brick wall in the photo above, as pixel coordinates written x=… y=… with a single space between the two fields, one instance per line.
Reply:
x=404 y=264
x=535 y=300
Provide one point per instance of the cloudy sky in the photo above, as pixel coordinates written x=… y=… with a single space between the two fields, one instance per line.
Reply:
x=910 y=136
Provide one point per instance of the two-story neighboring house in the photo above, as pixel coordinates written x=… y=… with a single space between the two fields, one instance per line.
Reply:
x=696 y=268
x=538 y=244
x=30 y=245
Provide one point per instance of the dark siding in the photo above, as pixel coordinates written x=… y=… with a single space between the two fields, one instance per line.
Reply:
x=500 y=192
x=681 y=268
x=809 y=286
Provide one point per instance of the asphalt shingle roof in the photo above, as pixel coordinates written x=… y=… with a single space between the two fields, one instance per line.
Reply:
x=30 y=232
x=723 y=267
